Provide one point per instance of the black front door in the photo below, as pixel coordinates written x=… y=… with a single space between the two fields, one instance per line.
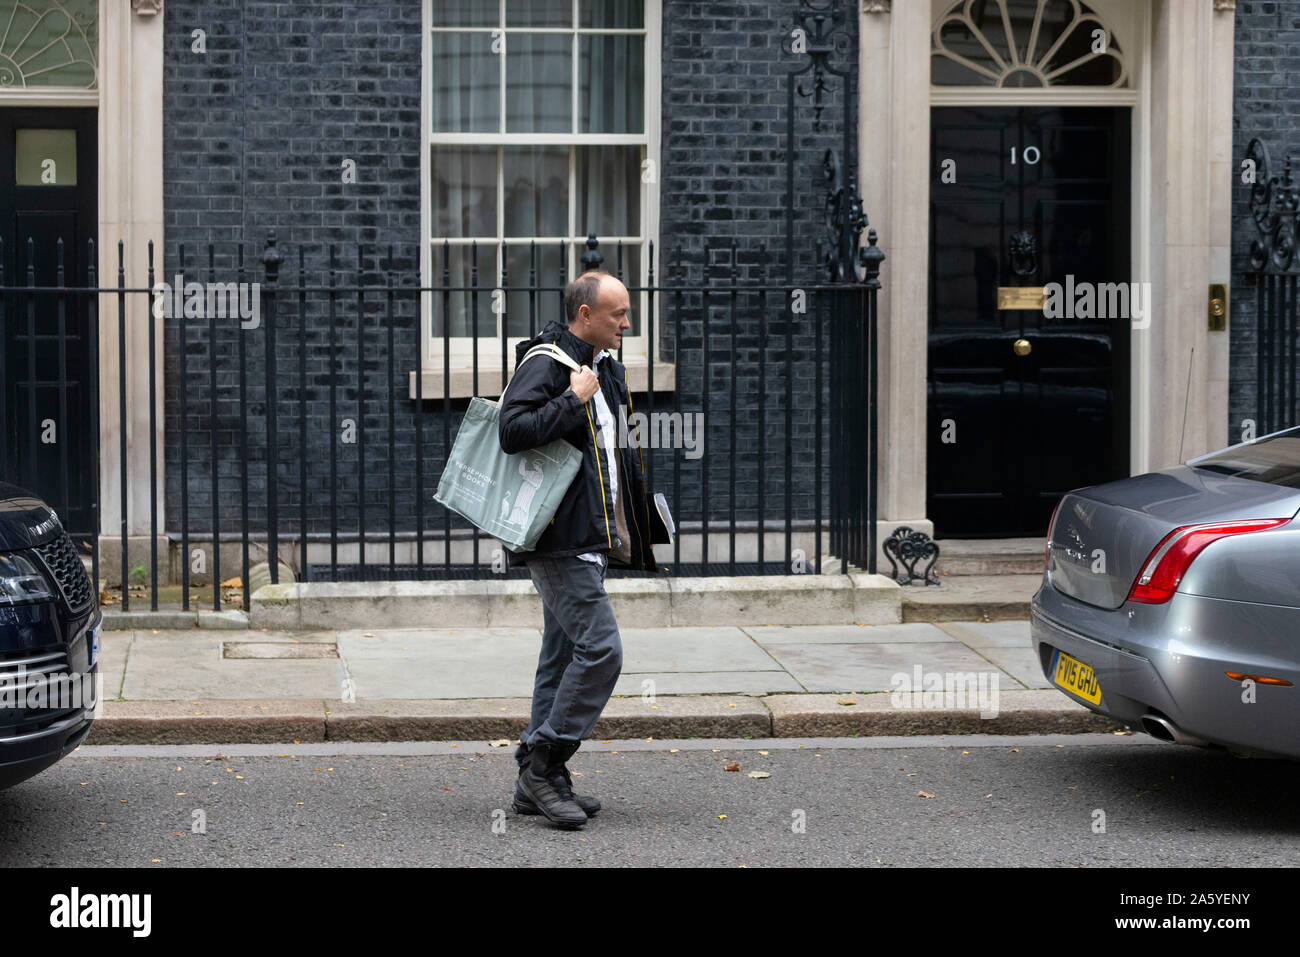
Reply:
x=48 y=194
x=1026 y=400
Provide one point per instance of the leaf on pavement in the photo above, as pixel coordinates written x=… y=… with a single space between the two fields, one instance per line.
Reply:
x=760 y=774
x=733 y=766
x=924 y=794
x=499 y=743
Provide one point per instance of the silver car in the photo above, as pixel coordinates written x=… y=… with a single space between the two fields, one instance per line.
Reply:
x=1171 y=600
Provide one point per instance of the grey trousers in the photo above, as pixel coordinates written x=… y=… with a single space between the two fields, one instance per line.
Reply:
x=581 y=656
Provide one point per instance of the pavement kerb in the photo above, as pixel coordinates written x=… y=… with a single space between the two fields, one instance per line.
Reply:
x=304 y=720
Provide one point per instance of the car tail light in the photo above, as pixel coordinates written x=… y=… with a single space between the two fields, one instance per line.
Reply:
x=1170 y=559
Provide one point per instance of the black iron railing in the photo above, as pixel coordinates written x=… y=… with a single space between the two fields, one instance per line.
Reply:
x=297 y=422
x=306 y=433
x=1272 y=268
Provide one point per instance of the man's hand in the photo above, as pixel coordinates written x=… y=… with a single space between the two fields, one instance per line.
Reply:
x=584 y=383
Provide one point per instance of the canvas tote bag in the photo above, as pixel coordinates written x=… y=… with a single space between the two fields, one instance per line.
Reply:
x=510 y=497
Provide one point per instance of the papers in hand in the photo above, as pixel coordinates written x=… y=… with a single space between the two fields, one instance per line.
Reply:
x=663 y=530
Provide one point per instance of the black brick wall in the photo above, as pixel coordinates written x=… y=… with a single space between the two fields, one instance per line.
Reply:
x=1266 y=74
x=724 y=145
x=256 y=131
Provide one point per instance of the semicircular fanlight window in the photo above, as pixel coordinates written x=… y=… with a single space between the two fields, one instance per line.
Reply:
x=48 y=43
x=1024 y=43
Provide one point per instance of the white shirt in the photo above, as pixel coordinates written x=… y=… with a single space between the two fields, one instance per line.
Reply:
x=606 y=422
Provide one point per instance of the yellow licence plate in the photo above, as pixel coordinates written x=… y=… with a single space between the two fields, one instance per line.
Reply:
x=1076 y=677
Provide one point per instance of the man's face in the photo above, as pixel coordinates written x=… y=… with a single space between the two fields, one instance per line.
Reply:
x=602 y=324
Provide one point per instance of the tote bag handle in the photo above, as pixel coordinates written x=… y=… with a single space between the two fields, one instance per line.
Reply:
x=546 y=348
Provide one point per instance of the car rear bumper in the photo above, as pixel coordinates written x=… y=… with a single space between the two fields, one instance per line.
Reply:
x=1171 y=661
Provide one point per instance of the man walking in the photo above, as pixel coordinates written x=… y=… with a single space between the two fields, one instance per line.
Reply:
x=604 y=517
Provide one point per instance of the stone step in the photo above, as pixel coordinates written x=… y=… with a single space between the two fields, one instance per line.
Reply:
x=985 y=557
x=971 y=598
x=172 y=618
x=831 y=599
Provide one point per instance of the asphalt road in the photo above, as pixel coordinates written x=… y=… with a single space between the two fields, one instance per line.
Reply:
x=862 y=802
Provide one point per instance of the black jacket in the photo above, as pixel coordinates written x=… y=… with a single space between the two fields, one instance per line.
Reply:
x=538 y=408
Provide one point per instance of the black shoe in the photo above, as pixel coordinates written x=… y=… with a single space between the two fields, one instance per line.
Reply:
x=538 y=785
x=563 y=784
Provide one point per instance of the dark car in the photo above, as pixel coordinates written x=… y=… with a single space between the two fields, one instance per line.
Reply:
x=49 y=639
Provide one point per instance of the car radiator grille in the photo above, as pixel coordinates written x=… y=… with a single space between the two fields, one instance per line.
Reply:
x=64 y=565
x=21 y=671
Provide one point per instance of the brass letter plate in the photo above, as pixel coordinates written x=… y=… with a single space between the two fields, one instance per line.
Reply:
x=1218 y=307
x=1022 y=297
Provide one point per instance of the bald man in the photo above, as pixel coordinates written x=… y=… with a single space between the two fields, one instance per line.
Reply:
x=603 y=518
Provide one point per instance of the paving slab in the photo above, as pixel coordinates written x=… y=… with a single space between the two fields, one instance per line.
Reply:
x=989 y=634
x=278 y=650
x=846 y=634
x=1018 y=712
x=189 y=665
x=706 y=682
x=1020 y=663
x=713 y=649
x=871 y=667
x=453 y=663
x=114 y=646
x=1006 y=644
x=296 y=637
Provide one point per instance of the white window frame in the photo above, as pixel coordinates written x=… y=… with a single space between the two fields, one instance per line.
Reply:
x=461 y=359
